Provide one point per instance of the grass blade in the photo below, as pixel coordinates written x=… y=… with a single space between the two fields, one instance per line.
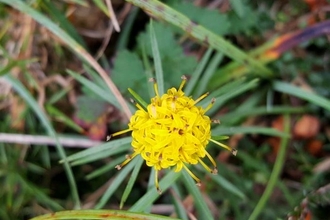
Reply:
x=303 y=94
x=131 y=182
x=98 y=149
x=203 y=209
x=157 y=60
x=163 y=12
x=274 y=177
x=100 y=214
x=20 y=89
x=198 y=72
x=150 y=196
x=248 y=130
x=117 y=181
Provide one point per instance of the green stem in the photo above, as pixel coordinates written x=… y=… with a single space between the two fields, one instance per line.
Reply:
x=280 y=159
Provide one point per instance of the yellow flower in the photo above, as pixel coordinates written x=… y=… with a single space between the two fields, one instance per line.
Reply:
x=172 y=132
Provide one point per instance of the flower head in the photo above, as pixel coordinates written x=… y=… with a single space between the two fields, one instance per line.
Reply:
x=171 y=132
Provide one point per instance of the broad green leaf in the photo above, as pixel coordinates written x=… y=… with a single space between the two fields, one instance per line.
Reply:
x=174 y=62
x=128 y=72
x=209 y=18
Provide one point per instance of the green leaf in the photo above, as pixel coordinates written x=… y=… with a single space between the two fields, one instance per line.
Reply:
x=228 y=186
x=209 y=18
x=203 y=210
x=117 y=181
x=60 y=116
x=157 y=61
x=303 y=94
x=174 y=62
x=103 y=148
x=128 y=72
x=242 y=21
x=238 y=7
x=24 y=93
x=149 y=197
x=131 y=182
x=89 y=109
x=248 y=130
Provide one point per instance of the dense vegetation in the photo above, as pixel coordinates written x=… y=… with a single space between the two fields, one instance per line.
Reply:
x=65 y=70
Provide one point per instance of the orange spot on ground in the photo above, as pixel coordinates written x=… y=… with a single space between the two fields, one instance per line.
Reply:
x=307 y=127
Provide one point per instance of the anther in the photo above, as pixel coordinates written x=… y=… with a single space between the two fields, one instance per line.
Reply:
x=132 y=101
x=215 y=121
x=159 y=190
x=108 y=138
x=118 y=167
x=153 y=80
x=214 y=171
x=198 y=184
x=234 y=151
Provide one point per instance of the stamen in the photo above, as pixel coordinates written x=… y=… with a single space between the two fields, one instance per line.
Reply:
x=201 y=98
x=216 y=121
x=209 y=105
x=139 y=106
x=153 y=111
x=198 y=182
x=156 y=183
x=119 y=133
x=232 y=150
x=184 y=80
x=153 y=80
x=205 y=166
x=132 y=101
x=211 y=159
x=128 y=159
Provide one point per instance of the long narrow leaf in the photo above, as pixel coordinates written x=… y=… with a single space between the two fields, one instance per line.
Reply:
x=203 y=209
x=164 y=12
x=150 y=196
x=131 y=181
x=157 y=60
x=19 y=87
x=303 y=94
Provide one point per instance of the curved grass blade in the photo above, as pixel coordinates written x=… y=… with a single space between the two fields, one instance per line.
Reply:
x=98 y=149
x=117 y=181
x=275 y=175
x=138 y=98
x=228 y=186
x=157 y=60
x=198 y=72
x=101 y=155
x=106 y=168
x=151 y=195
x=24 y=93
x=131 y=182
x=248 y=130
x=72 y=44
x=238 y=115
x=303 y=94
x=203 y=210
x=178 y=204
x=161 y=11
x=209 y=72
x=229 y=94
x=100 y=215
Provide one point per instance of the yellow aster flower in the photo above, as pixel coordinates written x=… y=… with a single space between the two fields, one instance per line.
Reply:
x=172 y=132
